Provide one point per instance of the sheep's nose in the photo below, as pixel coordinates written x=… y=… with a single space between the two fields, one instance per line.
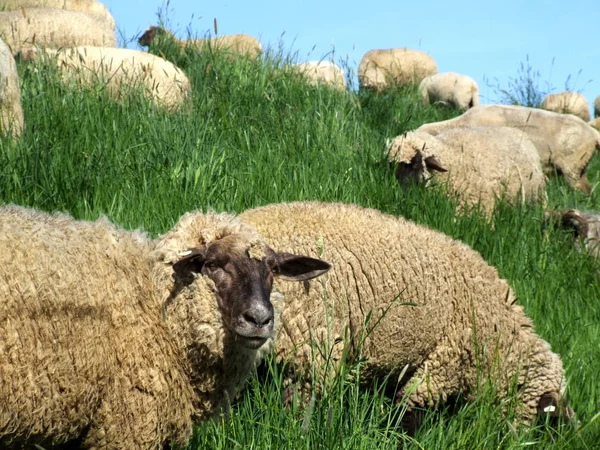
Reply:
x=259 y=316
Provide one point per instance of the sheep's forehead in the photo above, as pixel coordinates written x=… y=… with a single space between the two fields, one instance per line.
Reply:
x=403 y=149
x=241 y=245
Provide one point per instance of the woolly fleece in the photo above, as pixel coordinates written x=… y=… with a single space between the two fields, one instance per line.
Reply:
x=449 y=89
x=11 y=113
x=568 y=103
x=324 y=72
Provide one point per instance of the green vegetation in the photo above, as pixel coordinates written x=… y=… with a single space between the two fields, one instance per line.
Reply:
x=255 y=135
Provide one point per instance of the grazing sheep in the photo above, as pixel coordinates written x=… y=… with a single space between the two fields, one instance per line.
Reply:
x=434 y=309
x=585 y=224
x=234 y=45
x=597 y=107
x=595 y=123
x=53 y=28
x=380 y=69
x=120 y=69
x=480 y=164
x=11 y=114
x=90 y=7
x=564 y=142
x=568 y=103
x=121 y=342
x=449 y=89
x=324 y=72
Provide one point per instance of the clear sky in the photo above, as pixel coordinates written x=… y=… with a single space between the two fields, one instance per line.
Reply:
x=482 y=39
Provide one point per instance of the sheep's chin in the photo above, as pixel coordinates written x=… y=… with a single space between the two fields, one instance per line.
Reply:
x=251 y=343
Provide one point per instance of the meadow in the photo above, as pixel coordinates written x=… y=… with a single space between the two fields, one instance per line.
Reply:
x=255 y=135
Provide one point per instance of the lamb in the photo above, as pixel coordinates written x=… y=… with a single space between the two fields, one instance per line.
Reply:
x=120 y=70
x=324 y=72
x=53 y=28
x=479 y=164
x=564 y=142
x=380 y=69
x=92 y=7
x=234 y=45
x=434 y=309
x=449 y=89
x=119 y=341
x=586 y=226
x=567 y=103
x=11 y=113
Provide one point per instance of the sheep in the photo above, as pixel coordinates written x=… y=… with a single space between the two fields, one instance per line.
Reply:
x=564 y=142
x=595 y=123
x=597 y=107
x=380 y=69
x=11 y=113
x=479 y=164
x=567 y=103
x=92 y=7
x=405 y=299
x=120 y=69
x=118 y=341
x=234 y=45
x=53 y=28
x=449 y=89
x=324 y=72
x=585 y=224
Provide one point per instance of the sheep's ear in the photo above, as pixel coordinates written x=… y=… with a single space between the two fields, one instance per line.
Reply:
x=297 y=267
x=190 y=261
x=434 y=164
x=574 y=220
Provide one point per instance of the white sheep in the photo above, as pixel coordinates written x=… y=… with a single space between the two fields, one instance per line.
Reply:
x=11 y=113
x=597 y=107
x=380 y=69
x=53 y=28
x=120 y=70
x=595 y=123
x=586 y=227
x=564 y=142
x=325 y=72
x=121 y=342
x=567 y=102
x=449 y=89
x=405 y=300
x=479 y=164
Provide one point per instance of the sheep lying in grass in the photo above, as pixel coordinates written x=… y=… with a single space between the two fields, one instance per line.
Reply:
x=568 y=103
x=234 y=45
x=380 y=69
x=11 y=113
x=435 y=311
x=53 y=28
x=479 y=164
x=92 y=7
x=121 y=342
x=564 y=142
x=449 y=89
x=120 y=70
x=597 y=107
x=585 y=224
x=325 y=72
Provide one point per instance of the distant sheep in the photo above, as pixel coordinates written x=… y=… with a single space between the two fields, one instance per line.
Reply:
x=53 y=28
x=380 y=69
x=597 y=107
x=121 y=69
x=407 y=301
x=595 y=123
x=11 y=113
x=585 y=224
x=568 y=103
x=233 y=45
x=564 y=142
x=449 y=89
x=480 y=164
x=322 y=72
x=121 y=342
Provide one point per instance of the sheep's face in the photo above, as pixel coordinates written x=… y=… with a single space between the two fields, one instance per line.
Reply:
x=417 y=169
x=242 y=272
x=148 y=37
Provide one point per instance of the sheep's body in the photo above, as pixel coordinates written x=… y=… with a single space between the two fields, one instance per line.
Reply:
x=446 y=295
x=53 y=28
x=450 y=89
x=11 y=113
x=597 y=107
x=595 y=123
x=122 y=69
x=483 y=163
x=564 y=142
x=380 y=69
x=92 y=7
x=568 y=102
x=325 y=72
x=586 y=225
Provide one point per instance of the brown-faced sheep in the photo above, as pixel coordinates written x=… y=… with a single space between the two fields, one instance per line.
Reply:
x=479 y=164
x=430 y=304
x=564 y=142
x=568 y=102
x=449 y=89
x=322 y=72
x=121 y=342
x=53 y=28
x=11 y=113
x=586 y=226
x=380 y=69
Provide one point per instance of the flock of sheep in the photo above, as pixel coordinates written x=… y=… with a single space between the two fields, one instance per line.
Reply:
x=164 y=332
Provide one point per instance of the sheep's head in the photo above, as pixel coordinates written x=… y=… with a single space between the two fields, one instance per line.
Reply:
x=151 y=34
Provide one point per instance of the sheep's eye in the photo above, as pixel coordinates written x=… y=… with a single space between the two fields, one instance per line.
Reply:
x=211 y=265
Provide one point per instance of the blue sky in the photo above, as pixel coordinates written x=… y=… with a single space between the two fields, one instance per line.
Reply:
x=485 y=40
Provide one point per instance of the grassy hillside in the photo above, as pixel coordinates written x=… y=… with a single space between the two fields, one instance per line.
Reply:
x=254 y=135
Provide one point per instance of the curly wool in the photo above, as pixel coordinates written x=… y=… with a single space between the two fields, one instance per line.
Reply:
x=567 y=102
x=11 y=113
x=449 y=89
x=437 y=304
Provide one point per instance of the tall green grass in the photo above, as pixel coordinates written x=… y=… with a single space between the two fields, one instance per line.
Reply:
x=254 y=135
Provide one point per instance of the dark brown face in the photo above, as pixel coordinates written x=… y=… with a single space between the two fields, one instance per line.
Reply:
x=244 y=280
x=148 y=36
